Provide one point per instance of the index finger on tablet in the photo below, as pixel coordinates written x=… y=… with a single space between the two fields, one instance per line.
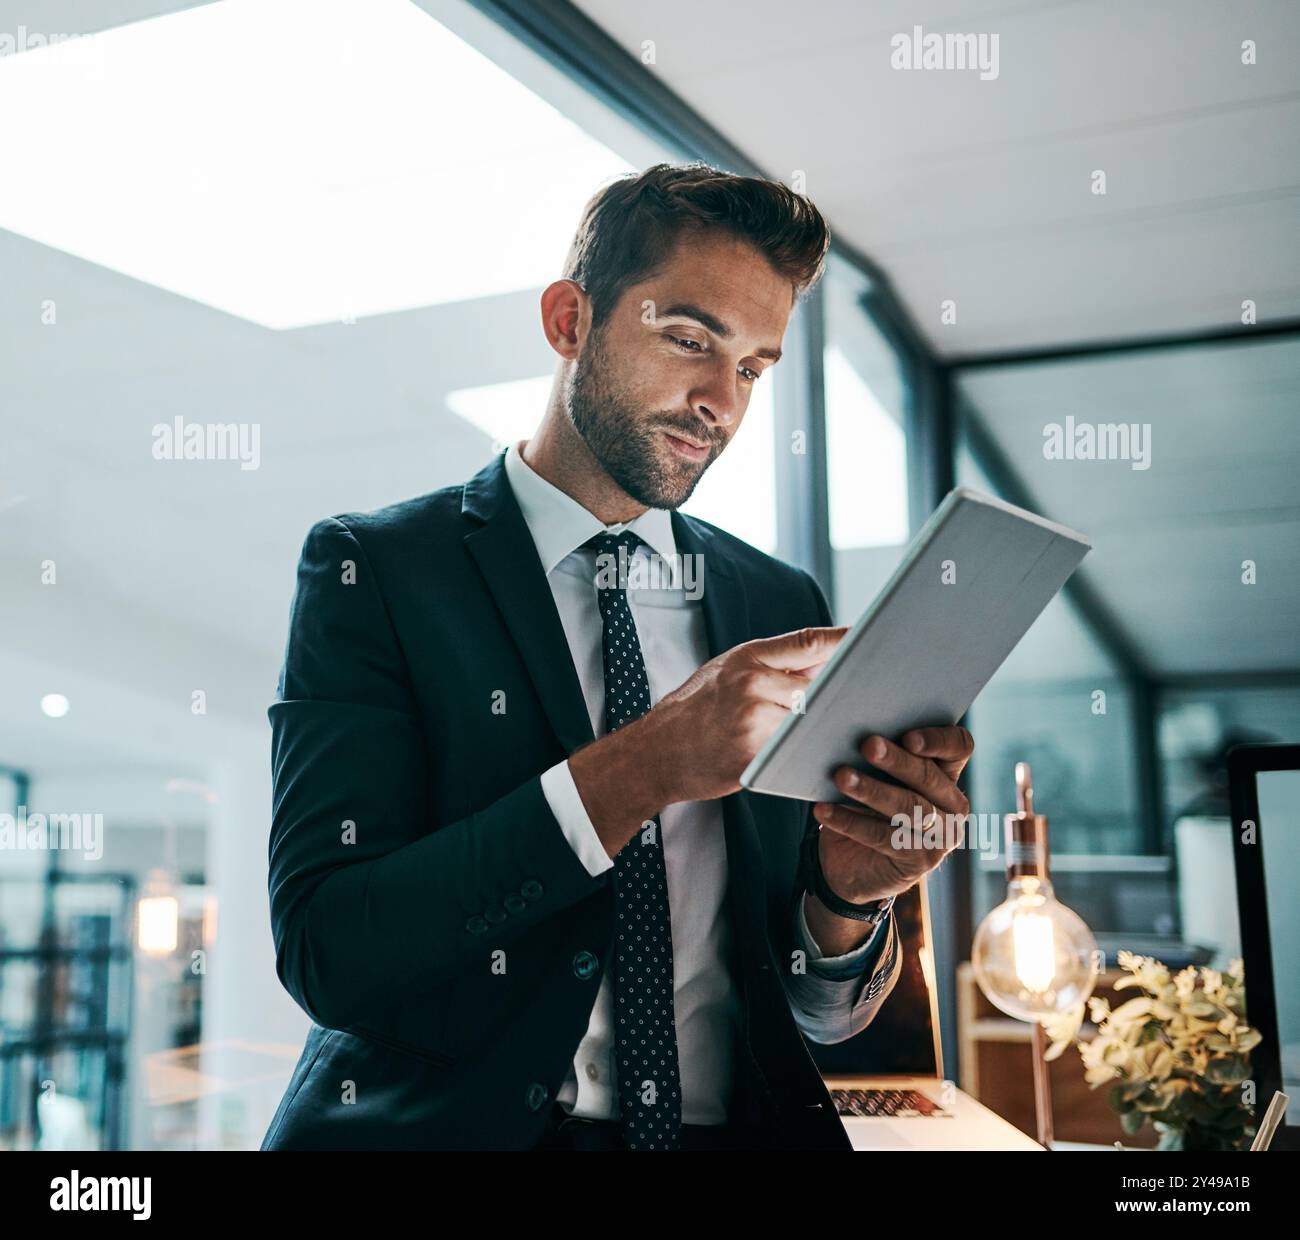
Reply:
x=800 y=649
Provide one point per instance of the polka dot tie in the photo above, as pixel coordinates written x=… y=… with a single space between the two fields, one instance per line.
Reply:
x=645 y=1051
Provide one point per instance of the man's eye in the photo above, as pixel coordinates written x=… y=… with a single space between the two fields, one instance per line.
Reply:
x=687 y=345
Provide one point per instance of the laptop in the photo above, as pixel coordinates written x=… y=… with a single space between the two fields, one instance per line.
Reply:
x=887 y=1082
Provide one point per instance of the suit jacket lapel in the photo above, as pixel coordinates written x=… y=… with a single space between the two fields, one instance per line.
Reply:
x=506 y=556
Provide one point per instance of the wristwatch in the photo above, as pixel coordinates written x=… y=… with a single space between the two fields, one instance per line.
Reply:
x=873 y=912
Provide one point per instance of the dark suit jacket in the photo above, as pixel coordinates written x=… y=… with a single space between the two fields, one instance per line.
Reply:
x=411 y=840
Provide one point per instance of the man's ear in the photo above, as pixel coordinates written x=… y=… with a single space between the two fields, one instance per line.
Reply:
x=566 y=317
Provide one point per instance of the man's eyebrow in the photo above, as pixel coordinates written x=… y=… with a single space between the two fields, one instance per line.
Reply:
x=684 y=310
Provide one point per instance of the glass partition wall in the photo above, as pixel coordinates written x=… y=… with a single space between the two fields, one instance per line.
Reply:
x=1170 y=644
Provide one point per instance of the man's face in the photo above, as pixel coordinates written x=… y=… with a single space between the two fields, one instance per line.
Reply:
x=659 y=390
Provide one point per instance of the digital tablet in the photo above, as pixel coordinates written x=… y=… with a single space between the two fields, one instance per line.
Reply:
x=972 y=581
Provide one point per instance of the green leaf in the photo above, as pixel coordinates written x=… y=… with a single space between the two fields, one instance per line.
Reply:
x=1226 y=1071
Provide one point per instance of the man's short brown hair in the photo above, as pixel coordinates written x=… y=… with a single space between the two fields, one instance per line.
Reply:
x=630 y=227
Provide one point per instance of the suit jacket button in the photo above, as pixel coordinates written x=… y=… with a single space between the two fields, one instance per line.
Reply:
x=531 y=889
x=584 y=965
x=495 y=914
x=535 y=1097
x=514 y=903
x=476 y=925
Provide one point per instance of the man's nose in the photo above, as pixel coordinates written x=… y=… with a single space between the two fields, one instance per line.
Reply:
x=717 y=405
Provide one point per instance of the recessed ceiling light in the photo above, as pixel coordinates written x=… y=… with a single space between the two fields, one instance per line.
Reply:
x=295 y=163
x=55 y=705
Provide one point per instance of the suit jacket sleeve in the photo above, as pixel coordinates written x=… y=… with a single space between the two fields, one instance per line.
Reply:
x=831 y=1009
x=369 y=895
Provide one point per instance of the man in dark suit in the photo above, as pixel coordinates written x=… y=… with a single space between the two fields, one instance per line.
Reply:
x=514 y=879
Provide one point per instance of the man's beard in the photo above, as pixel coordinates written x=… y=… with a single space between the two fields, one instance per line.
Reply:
x=625 y=441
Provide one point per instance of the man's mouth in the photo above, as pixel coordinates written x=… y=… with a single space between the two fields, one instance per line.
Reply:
x=686 y=447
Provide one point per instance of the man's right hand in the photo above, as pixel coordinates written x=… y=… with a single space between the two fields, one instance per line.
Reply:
x=696 y=741
x=700 y=738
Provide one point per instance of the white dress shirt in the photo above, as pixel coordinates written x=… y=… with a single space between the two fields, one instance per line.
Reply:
x=670 y=626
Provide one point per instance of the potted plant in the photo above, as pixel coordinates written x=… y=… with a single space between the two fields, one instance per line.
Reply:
x=1177 y=1054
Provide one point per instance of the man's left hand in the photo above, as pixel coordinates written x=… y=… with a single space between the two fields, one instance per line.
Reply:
x=857 y=856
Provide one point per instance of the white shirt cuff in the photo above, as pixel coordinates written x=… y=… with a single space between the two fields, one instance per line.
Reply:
x=562 y=796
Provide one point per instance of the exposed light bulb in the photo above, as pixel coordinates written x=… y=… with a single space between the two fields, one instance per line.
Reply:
x=1032 y=956
x=1033 y=951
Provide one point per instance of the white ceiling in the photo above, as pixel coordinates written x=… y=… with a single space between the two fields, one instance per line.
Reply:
x=300 y=197
x=979 y=191
x=1169 y=541
x=174 y=576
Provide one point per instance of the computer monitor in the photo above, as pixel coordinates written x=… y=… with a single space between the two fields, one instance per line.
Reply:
x=1264 y=788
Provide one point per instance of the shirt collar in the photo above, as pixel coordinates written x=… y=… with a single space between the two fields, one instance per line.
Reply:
x=560 y=525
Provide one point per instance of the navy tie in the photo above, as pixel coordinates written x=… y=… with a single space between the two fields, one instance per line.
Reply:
x=645 y=1037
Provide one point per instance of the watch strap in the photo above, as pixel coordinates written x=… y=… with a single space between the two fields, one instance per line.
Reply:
x=873 y=912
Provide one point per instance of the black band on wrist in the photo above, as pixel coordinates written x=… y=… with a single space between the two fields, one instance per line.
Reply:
x=873 y=912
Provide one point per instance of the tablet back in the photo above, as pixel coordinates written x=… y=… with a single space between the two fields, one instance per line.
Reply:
x=975 y=577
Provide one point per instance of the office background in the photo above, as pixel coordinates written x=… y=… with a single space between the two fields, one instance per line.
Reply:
x=331 y=220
